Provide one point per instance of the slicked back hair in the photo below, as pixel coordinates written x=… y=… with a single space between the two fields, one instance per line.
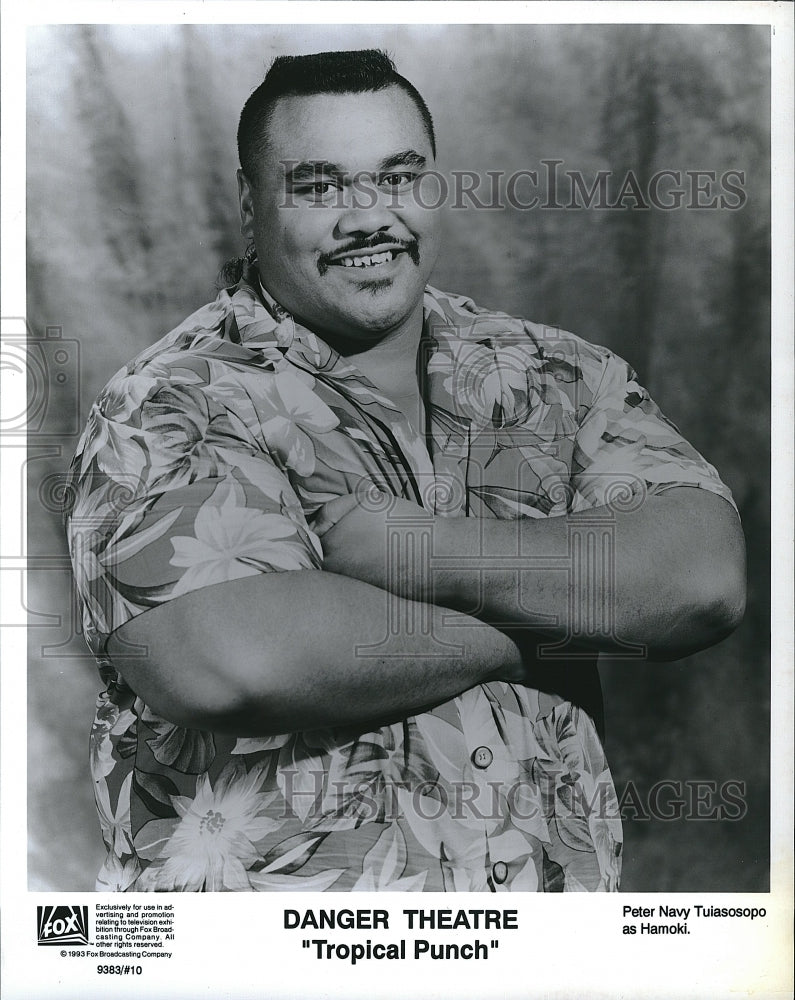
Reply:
x=356 y=72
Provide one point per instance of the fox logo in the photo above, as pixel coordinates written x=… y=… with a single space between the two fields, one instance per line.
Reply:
x=62 y=924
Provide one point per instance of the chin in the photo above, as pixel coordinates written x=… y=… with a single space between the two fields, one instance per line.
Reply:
x=366 y=327
x=372 y=328
x=379 y=309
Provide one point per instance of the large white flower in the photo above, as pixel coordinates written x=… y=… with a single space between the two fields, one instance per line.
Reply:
x=214 y=842
x=232 y=541
x=300 y=414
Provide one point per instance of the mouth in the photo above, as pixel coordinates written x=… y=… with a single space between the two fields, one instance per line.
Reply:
x=369 y=258
x=366 y=260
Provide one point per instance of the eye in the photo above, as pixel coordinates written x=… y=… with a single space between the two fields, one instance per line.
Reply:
x=397 y=179
x=316 y=190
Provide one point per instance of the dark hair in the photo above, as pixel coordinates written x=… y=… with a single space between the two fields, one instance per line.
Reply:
x=353 y=72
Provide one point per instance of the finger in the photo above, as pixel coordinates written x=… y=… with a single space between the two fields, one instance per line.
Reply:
x=333 y=512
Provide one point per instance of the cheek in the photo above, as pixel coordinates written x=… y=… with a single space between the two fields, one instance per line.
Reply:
x=426 y=225
x=425 y=222
x=291 y=229
x=289 y=250
x=304 y=230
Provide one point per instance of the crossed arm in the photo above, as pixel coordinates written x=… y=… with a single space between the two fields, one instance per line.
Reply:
x=298 y=650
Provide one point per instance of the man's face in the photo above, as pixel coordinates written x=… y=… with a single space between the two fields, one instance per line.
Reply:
x=342 y=239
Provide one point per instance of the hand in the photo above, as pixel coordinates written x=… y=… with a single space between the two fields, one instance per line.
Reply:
x=355 y=530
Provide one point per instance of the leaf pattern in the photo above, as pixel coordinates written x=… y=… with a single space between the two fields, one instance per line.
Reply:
x=290 y=855
x=189 y=751
x=206 y=458
x=155 y=791
x=153 y=837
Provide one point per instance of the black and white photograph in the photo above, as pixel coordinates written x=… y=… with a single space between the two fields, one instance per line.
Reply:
x=395 y=482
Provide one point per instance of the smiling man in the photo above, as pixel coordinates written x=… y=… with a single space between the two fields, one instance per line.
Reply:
x=343 y=251
x=349 y=546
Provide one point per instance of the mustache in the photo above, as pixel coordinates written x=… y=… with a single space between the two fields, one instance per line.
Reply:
x=411 y=247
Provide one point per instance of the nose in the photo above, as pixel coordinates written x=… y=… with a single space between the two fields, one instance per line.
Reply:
x=367 y=211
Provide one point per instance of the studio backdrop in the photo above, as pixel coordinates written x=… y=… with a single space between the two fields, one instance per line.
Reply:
x=649 y=234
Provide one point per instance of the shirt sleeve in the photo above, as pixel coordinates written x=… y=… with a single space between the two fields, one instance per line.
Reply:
x=171 y=492
x=625 y=447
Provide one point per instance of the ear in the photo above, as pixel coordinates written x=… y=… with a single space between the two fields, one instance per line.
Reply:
x=246 y=199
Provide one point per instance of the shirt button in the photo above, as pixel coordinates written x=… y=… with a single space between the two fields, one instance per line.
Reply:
x=482 y=757
x=499 y=871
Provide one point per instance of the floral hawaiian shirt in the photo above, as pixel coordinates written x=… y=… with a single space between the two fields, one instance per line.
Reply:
x=205 y=460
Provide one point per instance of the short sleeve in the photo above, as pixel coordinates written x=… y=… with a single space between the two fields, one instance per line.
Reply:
x=625 y=443
x=170 y=492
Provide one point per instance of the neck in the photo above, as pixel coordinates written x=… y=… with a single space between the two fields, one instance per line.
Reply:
x=390 y=363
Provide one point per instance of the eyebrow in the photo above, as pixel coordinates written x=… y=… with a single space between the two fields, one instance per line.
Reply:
x=308 y=170
x=408 y=158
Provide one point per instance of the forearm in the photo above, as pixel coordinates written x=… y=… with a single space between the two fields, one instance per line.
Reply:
x=301 y=650
x=668 y=576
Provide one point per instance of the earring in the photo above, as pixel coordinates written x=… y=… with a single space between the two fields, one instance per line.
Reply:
x=251 y=254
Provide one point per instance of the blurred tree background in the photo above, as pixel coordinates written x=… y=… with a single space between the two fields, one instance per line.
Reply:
x=132 y=208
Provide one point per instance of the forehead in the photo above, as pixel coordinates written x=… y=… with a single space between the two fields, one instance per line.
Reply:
x=356 y=131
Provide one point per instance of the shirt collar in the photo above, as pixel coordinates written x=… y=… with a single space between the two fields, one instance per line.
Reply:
x=261 y=320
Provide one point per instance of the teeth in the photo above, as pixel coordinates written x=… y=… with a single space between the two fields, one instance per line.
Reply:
x=376 y=258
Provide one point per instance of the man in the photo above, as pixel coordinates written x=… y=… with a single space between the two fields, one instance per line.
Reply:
x=348 y=546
